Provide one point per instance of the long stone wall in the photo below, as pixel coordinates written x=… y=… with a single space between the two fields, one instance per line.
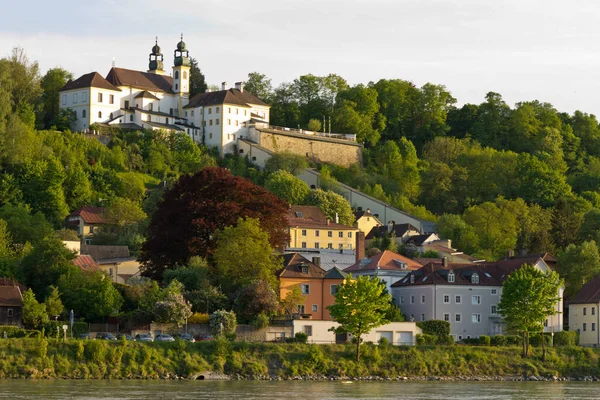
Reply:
x=317 y=148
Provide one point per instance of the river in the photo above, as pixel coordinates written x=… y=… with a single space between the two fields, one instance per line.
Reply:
x=250 y=390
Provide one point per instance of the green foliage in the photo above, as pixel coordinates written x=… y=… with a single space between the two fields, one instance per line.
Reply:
x=578 y=264
x=314 y=125
x=54 y=305
x=332 y=204
x=261 y=321
x=435 y=327
x=301 y=337
x=223 y=323
x=287 y=187
x=174 y=308
x=485 y=340
x=34 y=313
x=285 y=161
x=566 y=338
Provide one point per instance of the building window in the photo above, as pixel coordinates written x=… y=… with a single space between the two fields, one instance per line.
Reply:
x=203 y=123
x=446 y=317
x=593 y=310
x=475 y=318
x=308 y=330
x=10 y=313
x=110 y=116
x=228 y=136
x=317 y=245
x=315 y=308
x=333 y=289
x=412 y=299
x=210 y=135
x=494 y=309
x=494 y=291
x=475 y=299
x=228 y=122
x=475 y=278
x=209 y=110
x=412 y=317
x=350 y=234
x=176 y=86
x=301 y=309
x=83 y=113
x=229 y=110
x=111 y=99
x=330 y=245
x=305 y=288
x=303 y=245
x=244 y=112
x=341 y=234
x=237 y=110
x=84 y=97
x=75 y=113
x=210 y=122
x=217 y=121
x=401 y=299
x=584 y=327
x=151 y=107
x=74 y=97
x=305 y=270
x=412 y=278
x=458 y=299
x=446 y=299
x=236 y=123
x=329 y=234
x=593 y=327
x=99 y=114
x=217 y=109
x=99 y=97
x=584 y=310
x=176 y=74
x=303 y=232
x=131 y=117
x=192 y=113
x=422 y=317
x=64 y=99
x=457 y=317
x=341 y=246
x=422 y=298
x=317 y=233
x=451 y=277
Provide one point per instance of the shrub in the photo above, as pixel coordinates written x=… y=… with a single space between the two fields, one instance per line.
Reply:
x=301 y=337
x=261 y=321
x=383 y=341
x=498 y=340
x=435 y=327
x=536 y=340
x=470 y=341
x=223 y=322
x=513 y=340
x=199 y=318
x=426 y=339
x=566 y=338
x=484 y=340
x=448 y=340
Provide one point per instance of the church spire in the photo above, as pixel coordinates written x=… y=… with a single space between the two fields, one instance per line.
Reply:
x=156 y=58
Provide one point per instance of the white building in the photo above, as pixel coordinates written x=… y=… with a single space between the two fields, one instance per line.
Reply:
x=153 y=100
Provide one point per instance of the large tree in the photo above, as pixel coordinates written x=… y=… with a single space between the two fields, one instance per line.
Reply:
x=361 y=305
x=529 y=296
x=578 y=264
x=288 y=187
x=197 y=80
x=190 y=214
x=259 y=85
x=51 y=83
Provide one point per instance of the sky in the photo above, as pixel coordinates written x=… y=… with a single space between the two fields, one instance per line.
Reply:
x=523 y=49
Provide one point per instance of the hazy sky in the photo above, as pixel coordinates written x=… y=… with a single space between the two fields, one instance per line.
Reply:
x=524 y=49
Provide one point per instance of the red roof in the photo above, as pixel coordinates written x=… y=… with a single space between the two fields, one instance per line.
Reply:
x=85 y=262
x=90 y=215
x=589 y=293
x=386 y=260
x=10 y=296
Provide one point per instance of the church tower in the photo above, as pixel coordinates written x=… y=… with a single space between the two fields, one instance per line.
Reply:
x=181 y=74
x=155 y=66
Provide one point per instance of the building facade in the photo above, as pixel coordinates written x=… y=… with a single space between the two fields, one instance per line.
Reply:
x=310 y=229
x=11 y=305
x=319 y=332
x=584 y=313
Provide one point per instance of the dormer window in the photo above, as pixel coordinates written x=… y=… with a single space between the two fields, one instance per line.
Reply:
x=412 y=278
x=475 y=278
x=304 y=269
x=451 y=277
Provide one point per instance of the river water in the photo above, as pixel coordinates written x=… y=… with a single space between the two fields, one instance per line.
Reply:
x=163 y=390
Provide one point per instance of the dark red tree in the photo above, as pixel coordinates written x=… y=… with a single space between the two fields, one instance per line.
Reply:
x=189 y=215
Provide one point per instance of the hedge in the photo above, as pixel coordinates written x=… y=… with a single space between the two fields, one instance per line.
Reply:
x=435 y=327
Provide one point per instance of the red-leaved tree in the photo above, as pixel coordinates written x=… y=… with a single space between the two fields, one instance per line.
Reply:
x=198 y=205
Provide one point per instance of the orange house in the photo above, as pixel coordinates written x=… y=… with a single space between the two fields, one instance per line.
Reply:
x=318 y=287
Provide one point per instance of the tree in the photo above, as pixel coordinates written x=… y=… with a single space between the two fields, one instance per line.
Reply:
x=314 y=125
x=77 y=187
x=332 y=205
x=255 y=299
x=191 y=276
x=54 y=305
x=174 y=308
x=90 y=294
x=259 y=85
x=290 y=162
x=197 y=80
x=23 y=225
x=244 y=255
x=577 y=265
x=123 y=212
x=51 y=83
x=528 y=297
x=290 y=302
x=361 y=305
x=190 y=214
x=223 y=323
x=34 y=313
x=287 y=187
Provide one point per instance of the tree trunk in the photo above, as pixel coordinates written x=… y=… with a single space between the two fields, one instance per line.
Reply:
x=358 y=349
x=543 y=346
x=524 y=346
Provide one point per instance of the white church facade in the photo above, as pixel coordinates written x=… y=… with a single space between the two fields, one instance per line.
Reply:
x=154 y=100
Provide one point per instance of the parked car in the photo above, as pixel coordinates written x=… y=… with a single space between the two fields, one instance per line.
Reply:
x=143 y=337
x=85 y=336
x=187 y=337
x=105 y=336
x=163 y=337
x=203 y=338
x=124 y=335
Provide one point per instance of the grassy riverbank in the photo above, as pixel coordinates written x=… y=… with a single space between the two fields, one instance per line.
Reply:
x=35 y=358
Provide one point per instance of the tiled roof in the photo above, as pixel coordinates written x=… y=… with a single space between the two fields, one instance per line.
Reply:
x=160 y=125
x=139 y=79
x=308 y=212
x=145 y=95
x=90 y=214
x=398 y=229
x=335 y=273
x=93 y=79
x=10 y=296
x=419 y=239
x=309 y=223
x=293 y=264
x=230 y=96
x=85 y=262
x=100 y=253
x=589 y=293
x=386 y=260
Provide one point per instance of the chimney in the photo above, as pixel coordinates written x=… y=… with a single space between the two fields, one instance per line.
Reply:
x=510 y=254
x=223 y=85
x=316 y=261
x=369 y=211
x=359 y=251
x=390 y=226
x=445 y=262
x=337 y=218
x=328 y=221
x=239 y=86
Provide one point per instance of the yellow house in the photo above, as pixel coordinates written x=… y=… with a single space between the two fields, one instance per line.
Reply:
x=310 y=229
x=584 y=313
x=365 y=221
x=115 y=261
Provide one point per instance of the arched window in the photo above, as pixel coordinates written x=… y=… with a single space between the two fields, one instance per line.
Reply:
x=83 y=114
x=184 y=75
x=176 y=74
x=475 y=278
x=99 y=114
x=451 y=277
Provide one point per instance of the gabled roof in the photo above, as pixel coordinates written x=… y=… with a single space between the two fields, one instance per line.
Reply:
x=145 y=95
x=418 y=240
x=85 y=262
x=230 y=96
x=386 y=260
x=335 y=273
x=312 y=217
x=293 y=263
x=107 y=253
x=589 y=293
x=93 y=79
x=307 y=212
x=10 y=296
x=90 y=214
x=366 y=213
x=139 y=79
x=398 y=229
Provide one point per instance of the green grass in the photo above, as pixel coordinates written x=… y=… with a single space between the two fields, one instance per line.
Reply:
x=48 y=358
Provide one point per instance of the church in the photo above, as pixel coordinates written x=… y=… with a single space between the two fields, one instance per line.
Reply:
x=156 y=100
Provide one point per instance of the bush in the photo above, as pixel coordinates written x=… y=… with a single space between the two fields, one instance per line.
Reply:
x=223 y=322
x=448 y=340
x=513 y=340
x=301 y=337
x=426 y=339
x=199 y=318
x=11 y=331
x=566 y=338
x=435 y=327
x=261 y=321
x=383 y=342
x=484 y=340
x=471 y=341
x=536 y=340
x=498 y=340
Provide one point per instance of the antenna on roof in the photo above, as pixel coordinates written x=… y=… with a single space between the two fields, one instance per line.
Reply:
x=113 y=63
x=181 y=35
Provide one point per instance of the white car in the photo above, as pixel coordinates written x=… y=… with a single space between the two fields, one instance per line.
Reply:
x=163 y=337
x=143 y=337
